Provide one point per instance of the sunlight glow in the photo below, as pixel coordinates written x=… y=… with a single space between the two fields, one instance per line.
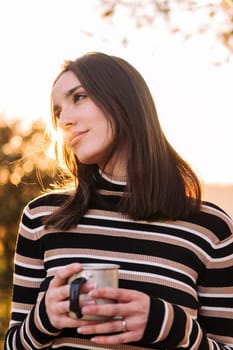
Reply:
x=193 y=96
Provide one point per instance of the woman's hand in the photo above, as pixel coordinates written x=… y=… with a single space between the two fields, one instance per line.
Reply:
x=57 y=298
x=131 y=312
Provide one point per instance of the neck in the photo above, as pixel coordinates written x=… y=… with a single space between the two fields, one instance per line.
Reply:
x=116 y=169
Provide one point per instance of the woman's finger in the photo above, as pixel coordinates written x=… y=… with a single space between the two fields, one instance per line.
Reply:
x=119 y=331
x=64 y=273
x=118 y=294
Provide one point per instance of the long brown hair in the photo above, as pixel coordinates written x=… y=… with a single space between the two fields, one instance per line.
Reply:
x=160 y=184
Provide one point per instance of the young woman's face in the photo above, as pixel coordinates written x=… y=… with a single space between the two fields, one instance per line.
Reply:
x=84 y=126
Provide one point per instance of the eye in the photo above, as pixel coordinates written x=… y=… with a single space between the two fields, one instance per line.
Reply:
x=78 y=97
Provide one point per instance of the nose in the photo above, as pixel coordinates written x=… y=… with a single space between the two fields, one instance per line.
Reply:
x=66 y=119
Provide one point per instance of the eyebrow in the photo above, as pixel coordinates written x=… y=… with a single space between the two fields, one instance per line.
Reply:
x=71 y=91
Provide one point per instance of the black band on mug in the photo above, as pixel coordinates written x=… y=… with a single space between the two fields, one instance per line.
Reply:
x=75 y=287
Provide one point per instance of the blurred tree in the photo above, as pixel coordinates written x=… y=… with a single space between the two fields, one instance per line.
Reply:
x=25 y=171
x=184 y=17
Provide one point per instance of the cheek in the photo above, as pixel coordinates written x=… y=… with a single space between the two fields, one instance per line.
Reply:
x=108 y=134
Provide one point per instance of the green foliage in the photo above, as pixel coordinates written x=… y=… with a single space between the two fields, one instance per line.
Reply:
x=25 y=171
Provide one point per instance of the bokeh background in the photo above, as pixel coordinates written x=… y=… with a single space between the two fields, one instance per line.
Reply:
x=184 y=50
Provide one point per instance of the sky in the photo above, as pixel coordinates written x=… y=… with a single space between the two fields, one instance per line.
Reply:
x=192 y=94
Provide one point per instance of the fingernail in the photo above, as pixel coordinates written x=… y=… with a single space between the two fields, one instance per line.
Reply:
x=92 y=293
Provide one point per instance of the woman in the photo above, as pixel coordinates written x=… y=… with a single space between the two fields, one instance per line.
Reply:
x=136 y=203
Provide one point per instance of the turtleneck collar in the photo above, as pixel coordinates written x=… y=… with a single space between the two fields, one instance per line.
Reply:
x=117 y=180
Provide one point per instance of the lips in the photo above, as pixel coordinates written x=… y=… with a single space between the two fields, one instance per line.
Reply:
x=75 y=138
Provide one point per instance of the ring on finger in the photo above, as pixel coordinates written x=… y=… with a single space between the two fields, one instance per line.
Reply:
x=124 y=327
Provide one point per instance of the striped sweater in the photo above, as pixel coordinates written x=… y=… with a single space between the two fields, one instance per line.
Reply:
x=185 y=266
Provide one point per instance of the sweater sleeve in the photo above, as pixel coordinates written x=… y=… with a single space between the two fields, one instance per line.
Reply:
x=29 y=325
x=170 y=325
